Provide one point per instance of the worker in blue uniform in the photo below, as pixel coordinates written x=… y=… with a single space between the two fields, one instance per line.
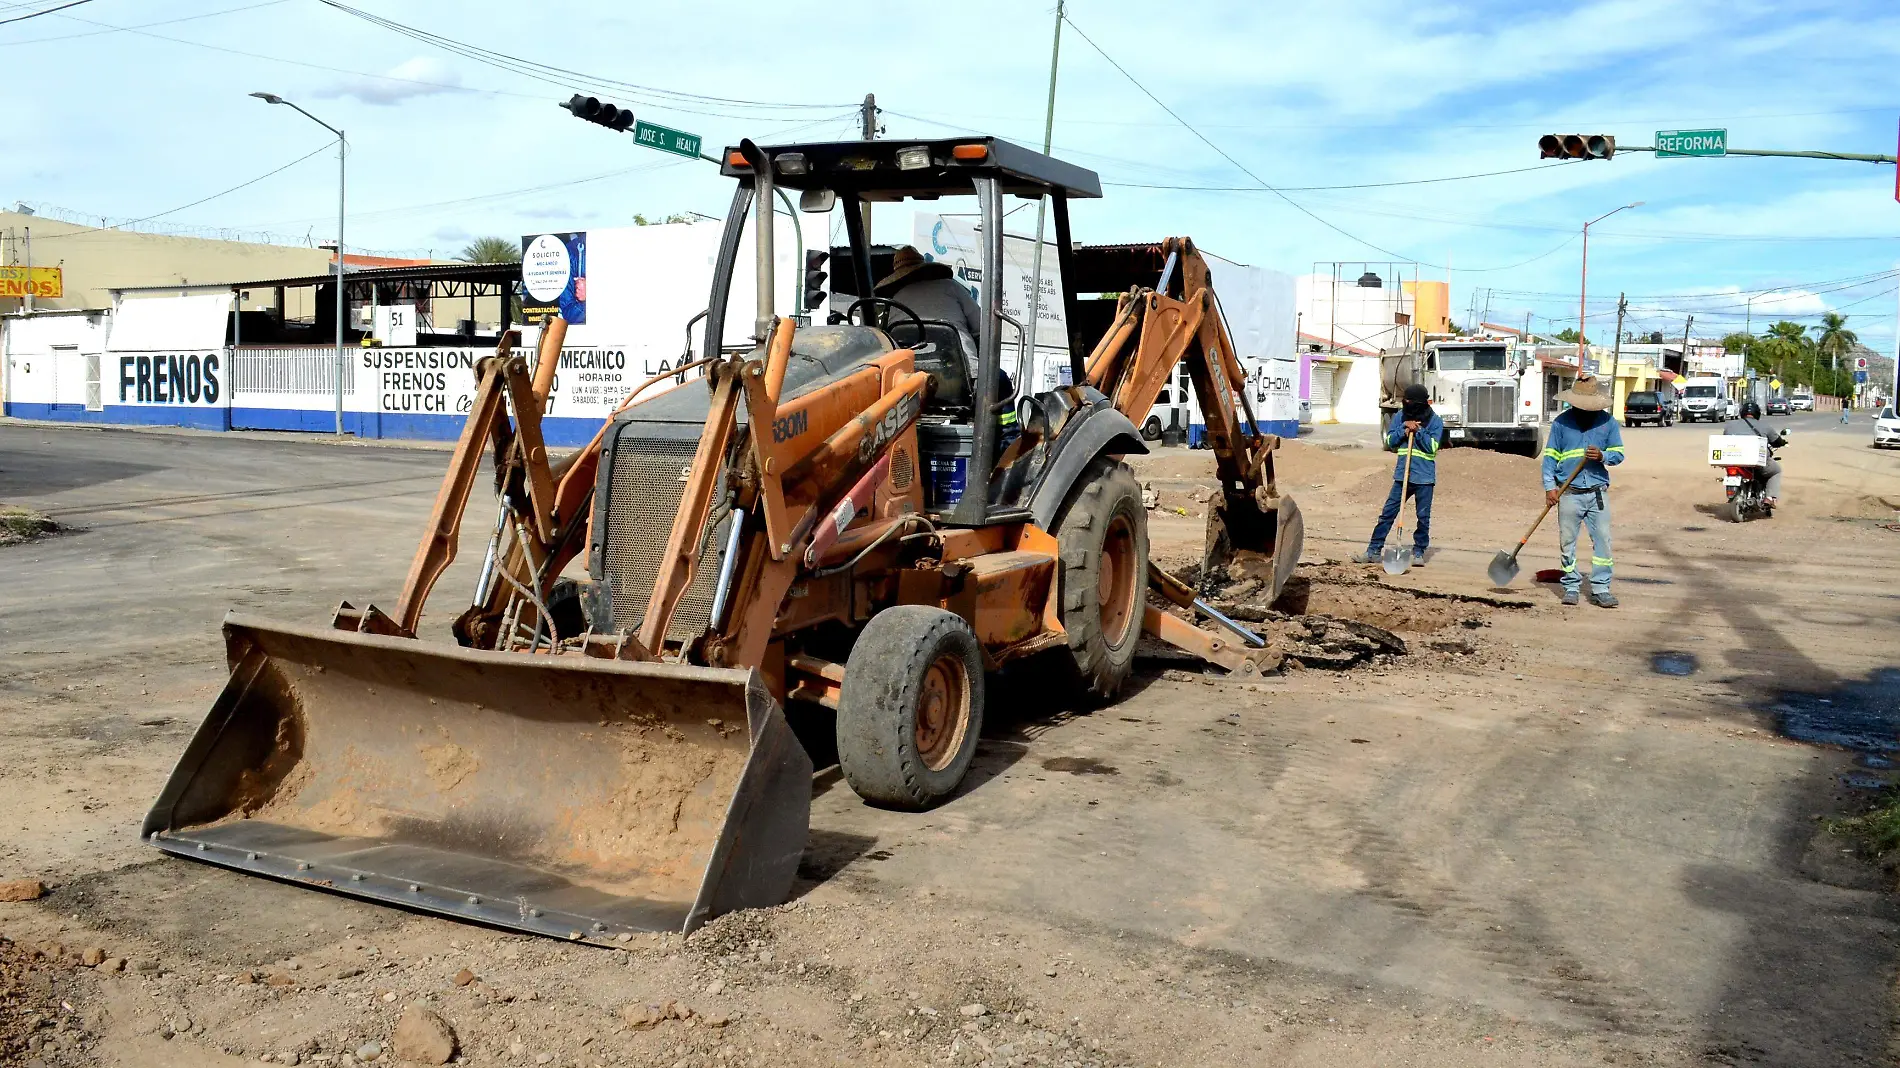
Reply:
x=1414 y=433
x=1585 y=435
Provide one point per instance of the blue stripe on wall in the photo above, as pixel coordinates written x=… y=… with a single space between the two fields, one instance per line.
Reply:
x=556 y=430
x=1286 y=428
x=218 y=418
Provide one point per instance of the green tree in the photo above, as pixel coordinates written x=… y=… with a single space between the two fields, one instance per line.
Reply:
x=490 y=250
x=1737 y=342
x=676 y=217
x=1569 y=337
x=1834 y=350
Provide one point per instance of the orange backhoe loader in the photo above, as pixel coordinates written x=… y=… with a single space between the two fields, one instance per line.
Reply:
x=841 y=523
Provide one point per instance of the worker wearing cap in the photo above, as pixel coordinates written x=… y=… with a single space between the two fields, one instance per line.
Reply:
x=1414 y=433
x=931 y=291
x=1586 y=435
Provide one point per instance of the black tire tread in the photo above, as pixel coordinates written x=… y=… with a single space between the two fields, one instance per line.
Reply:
x=877 y=741
x=1100 y=670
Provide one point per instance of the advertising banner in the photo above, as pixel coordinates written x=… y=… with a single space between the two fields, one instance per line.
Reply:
x=554 y=277
x=41 y=283
x=958 y=243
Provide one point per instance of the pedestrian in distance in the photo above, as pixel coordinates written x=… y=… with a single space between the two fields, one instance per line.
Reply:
x=1414 y=433
x=1585 y=435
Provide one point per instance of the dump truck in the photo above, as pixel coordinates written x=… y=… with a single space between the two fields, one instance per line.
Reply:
x=833 y=534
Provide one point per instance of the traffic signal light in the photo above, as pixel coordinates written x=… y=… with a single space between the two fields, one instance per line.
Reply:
x=600 y=113
x=1576 y=146
x=815 y=277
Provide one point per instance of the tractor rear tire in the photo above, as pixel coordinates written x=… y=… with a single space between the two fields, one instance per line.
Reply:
x=1102 y=560
x=911 y=707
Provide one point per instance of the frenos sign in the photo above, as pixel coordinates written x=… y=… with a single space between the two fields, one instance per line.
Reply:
x=170 y=377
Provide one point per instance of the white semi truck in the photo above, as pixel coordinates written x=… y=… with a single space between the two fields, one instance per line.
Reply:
x=1480 y=386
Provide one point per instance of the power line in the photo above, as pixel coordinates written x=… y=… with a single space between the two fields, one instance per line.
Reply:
x=45 y=11
x=665 y=99
x=195 y=203
x=1269 y=187
x=1322 y=188
x=140 y=26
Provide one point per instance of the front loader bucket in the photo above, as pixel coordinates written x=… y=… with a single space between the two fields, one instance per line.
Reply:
x=1264 y=541
x=560 y=795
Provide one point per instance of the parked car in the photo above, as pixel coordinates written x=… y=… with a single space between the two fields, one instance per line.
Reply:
x=1802 y=402
x=1646 y=407
x=1777 y=406
x=1734 y=408
x=1887 y=428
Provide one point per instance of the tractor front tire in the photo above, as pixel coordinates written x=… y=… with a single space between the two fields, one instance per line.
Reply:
x=1102 y=556
x=911 y=707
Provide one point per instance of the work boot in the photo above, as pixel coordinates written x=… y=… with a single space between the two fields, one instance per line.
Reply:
x=1370 y=556
x=1571 y=599
x=1418 y=558
x=1604 y=600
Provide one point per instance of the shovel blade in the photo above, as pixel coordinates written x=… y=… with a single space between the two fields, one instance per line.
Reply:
x=558 y=795
x=1503 y=568
x=1396 y=561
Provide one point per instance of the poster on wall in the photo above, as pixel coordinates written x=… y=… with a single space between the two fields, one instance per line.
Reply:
x=554 y=277
x=957 y=243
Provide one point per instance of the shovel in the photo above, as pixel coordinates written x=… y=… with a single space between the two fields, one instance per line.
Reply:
x=1504 y=565
x=1397 y=556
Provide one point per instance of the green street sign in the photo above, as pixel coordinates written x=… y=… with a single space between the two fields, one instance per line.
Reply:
x=678 y=142
x=1691 y=142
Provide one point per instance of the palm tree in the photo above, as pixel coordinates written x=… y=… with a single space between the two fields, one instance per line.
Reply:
x=490 y=250
x=1836 y=341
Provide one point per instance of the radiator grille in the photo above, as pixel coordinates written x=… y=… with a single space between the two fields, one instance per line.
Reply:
x=1490 y=404
x=644 y=493
x=903 y=469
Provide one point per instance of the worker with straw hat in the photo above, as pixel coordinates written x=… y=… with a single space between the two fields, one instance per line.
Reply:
x=1585 y=435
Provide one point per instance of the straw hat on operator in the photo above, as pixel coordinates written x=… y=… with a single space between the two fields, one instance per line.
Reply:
x=1586 y=393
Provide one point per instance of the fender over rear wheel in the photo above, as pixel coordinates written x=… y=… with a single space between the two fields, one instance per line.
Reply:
x=911 y=707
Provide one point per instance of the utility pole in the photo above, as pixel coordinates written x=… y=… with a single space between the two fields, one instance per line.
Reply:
x=1583 y=284
x=1042 y=206
x=1685 y=343
x=1616 y=349
x=869 y=130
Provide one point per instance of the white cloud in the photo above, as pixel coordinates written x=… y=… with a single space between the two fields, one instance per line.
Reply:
x=418 y=77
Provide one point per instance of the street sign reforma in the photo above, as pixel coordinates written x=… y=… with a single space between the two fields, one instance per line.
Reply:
x=1691 y=142
x=665 y=139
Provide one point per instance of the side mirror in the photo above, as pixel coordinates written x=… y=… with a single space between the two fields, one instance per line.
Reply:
x=817 y=201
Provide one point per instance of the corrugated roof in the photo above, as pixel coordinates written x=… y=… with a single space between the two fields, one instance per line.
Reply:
x=492 y=273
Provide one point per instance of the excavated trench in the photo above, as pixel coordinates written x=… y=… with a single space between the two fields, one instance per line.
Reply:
x=1336 y=616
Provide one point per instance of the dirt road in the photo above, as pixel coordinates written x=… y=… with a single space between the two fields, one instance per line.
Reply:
x=1520 y=843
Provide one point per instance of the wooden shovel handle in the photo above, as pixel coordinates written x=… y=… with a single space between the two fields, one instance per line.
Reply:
x=1548 y=505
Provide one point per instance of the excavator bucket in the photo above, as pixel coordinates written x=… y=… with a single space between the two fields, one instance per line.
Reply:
x=562 y=795
x=1261 y=541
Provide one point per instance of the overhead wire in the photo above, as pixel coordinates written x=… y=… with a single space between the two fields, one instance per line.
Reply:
x=1268 y=186
x=201 y=200
x=142 y=25
x=664 y=99
x=45 y=11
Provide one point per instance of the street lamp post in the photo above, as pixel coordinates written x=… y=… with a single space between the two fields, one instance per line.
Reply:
x=342 y=303
x=1583 y=286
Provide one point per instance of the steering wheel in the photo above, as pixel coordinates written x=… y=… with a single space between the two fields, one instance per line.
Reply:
x=864 y=302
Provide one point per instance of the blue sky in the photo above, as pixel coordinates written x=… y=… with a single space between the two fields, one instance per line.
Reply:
x=125 y=123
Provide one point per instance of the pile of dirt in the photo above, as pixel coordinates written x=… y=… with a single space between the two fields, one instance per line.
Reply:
x=19 y=524
x=36 y=1021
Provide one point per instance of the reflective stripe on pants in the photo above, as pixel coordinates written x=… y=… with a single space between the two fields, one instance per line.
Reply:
x=1576 y=511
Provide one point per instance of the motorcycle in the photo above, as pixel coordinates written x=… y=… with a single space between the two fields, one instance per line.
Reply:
x=1747 y=492
x=1746 y=482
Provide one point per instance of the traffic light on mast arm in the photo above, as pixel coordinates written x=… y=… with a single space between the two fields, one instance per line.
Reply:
x=1576 y=146
x=599 y=113
x=814 y=278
